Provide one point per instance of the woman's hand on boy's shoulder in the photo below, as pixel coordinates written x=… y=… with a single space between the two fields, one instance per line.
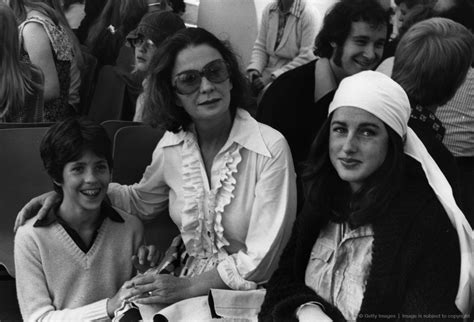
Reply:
x=39 y=205
x=147 y=257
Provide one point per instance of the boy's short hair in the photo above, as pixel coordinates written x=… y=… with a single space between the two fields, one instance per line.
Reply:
x=432 y=60
x=67 y=141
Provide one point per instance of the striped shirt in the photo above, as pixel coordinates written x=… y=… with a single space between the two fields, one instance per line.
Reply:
x=457 y=117
x=296 y=10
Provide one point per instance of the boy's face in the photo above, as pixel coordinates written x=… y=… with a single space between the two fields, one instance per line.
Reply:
x=362 y=49
x=85 y=182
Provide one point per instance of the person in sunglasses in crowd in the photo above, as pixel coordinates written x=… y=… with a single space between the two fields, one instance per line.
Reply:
x=152 y=30
x=228 y=181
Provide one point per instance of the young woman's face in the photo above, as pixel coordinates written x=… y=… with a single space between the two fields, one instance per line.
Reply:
x=85 y=182
x=144 y=52
x=358 y=143
x=211 y=99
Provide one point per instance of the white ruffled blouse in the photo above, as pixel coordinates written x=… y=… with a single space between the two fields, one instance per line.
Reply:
x=243 y=217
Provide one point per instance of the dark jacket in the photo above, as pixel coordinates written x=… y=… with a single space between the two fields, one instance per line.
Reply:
x=415 y=261
x=288 y=106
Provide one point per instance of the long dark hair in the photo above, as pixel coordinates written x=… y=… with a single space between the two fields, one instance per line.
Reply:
x=160 y=105
x=327 y=192
x=16 y=79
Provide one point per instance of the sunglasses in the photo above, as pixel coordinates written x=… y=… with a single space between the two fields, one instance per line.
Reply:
x=141 y=41
x=189 y=81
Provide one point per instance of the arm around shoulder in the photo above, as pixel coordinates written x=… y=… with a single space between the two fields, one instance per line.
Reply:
x=149 y=197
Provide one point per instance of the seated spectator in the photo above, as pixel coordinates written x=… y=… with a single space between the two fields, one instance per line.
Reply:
x=74 y=264
x=406 y=6
x=380 y=236
x=107 y=35
x=457 y=115
x=48 y=44
x=78 y=63
x=152 y=30
x=352 y=39
x=431 y=62
x=285 y=41
x=227 y=181
x=416 y=14
x=21 y=84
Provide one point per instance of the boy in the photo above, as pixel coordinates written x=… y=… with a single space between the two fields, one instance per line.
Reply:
x=75 y=263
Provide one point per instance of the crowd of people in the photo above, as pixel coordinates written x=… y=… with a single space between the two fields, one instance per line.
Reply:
x=348 y=195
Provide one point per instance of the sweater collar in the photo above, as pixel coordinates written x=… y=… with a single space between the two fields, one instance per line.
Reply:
x=106 y=211
x=245 y=132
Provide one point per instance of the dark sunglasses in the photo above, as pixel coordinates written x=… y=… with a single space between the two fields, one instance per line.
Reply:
x=141 y=41
x=189 y=81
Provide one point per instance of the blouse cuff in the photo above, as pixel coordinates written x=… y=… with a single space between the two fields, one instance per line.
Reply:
x=231 y=277
x=312 y=303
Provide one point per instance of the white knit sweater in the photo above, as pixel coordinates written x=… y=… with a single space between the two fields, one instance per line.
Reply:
x=56 y=281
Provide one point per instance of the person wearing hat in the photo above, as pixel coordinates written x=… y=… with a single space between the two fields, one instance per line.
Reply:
x=152 y=30
x=380 y=235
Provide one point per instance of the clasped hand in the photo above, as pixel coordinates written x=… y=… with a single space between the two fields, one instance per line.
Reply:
x=160 y=288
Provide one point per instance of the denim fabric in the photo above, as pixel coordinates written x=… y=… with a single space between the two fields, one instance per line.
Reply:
x=339 y=266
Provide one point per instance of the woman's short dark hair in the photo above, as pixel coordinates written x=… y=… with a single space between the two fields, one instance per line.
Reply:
x=160 y=97
x=67 y=141
x=432 y=60
x=338 y=21
x=325 y=190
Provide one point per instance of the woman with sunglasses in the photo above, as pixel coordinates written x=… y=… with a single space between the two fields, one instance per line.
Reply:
x=227 y=180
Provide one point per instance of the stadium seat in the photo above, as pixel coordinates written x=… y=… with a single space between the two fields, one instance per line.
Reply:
x=23 y=178
x=133 y=149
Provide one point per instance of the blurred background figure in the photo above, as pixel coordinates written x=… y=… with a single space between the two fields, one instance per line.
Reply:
x=406 y=6
x=457 y=115
x=152 y=30
x=21 y=83
x=285 y=41
x=107 y=35
x=431 y=62
x=50 y=44
x=179 y=6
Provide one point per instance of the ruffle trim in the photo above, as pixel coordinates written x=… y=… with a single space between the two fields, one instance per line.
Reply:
x=231 y=277
x=202 y=231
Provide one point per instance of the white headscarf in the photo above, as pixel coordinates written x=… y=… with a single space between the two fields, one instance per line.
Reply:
x=381 y=96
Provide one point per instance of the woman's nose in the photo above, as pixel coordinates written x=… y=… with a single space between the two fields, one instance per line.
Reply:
x=350 y=144
x=206 y=85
